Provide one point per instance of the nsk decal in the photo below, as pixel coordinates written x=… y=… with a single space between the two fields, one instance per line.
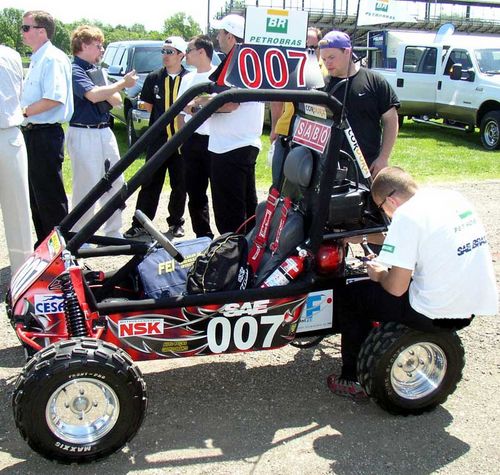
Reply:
x=139 y=327
x=47 y=304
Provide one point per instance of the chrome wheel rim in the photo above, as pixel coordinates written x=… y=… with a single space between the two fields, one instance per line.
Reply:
x=82 y=411
x=491 y=133
x=418 y=370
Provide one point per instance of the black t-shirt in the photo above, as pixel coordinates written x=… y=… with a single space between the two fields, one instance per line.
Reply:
x=369 y=96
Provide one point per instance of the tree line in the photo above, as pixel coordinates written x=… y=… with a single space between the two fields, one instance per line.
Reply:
x=11 y=20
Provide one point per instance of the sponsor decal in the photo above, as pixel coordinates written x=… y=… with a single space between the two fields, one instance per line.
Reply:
x=140 y=327
x=175 y=346
x=276 y=27
x=246 y=308
x=317 y=313
x=315 y=110
x=388 y=248
x=277 y=21
x=48 y=304
x=54 y=245
x=26 y=275
x=73 y=448
x=465 y=214
x=312 y=134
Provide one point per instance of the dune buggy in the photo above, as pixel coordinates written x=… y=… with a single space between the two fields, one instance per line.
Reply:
x=80 y=397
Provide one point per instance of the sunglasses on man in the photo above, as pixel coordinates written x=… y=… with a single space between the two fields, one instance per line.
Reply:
x=168 y=52
x=27 y=28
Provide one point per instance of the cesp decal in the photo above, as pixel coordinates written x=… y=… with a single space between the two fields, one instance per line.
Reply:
x=140 y=327
x=312 y=134
x=47 y=304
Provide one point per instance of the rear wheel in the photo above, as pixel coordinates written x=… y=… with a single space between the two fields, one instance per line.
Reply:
x=490 y=130
x=79 y=400
x=407 y=371
x=131 y=135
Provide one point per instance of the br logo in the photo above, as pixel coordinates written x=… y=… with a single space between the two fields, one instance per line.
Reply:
x=277 y=24
x=382 y=5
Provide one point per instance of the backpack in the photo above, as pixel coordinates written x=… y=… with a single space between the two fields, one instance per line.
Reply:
x=222 y=267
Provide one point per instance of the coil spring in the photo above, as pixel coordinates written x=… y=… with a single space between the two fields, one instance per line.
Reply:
x=75 y=321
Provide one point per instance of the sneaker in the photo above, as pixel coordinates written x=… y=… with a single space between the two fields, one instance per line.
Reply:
x=346 y=388
x=177 y=231
x=134 y=232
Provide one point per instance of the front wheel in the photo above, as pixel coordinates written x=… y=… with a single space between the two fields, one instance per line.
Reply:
x=79 y=400
x=490 y=130
x=407 y=371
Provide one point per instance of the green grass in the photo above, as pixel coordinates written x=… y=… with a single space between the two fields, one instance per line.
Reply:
x=428 y=153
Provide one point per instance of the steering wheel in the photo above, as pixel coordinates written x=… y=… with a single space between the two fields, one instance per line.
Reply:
x=153 y=231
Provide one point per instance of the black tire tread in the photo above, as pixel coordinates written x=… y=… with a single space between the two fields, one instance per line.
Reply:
x=71 y=353
x=378 y=342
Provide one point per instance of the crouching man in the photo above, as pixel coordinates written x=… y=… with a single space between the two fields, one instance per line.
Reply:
x=434 y=269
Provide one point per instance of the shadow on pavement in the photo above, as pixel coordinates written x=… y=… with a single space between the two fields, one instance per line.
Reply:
x=218 y=412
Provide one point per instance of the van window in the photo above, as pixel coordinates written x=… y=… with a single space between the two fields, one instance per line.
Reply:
x=109 y=55
x=420 y=59
x=123 y=60
x=147 y=59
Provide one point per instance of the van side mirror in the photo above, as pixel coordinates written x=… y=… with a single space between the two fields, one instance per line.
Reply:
x=115 y=70
x=456 y=72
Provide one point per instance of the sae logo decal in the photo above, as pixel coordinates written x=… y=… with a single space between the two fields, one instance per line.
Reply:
x=317 y=313
x=48 y=304
x=277 y=21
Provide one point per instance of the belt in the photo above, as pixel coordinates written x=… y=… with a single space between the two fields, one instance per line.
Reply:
x=101 y=125
x=31 y=126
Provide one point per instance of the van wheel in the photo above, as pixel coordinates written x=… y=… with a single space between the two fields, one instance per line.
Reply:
x=407 y=371
x=79 y=400
x=131 y=135
x=490 y=130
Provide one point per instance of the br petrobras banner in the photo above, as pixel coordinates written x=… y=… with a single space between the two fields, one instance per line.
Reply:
x=273 y=27
x=374 y=12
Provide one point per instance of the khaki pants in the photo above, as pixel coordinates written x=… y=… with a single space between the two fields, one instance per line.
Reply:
x=14 y=196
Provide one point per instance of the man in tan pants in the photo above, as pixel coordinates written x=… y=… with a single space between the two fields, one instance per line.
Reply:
x=14 y=192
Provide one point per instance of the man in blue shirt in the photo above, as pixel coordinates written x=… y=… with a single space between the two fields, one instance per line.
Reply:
x=90 y=141
x=46 y=102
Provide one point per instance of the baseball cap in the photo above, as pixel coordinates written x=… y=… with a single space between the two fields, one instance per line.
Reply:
x=335 y=39
x=176 y=42
x=234 y=24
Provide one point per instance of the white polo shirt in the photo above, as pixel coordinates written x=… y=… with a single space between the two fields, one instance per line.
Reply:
x=438 y=235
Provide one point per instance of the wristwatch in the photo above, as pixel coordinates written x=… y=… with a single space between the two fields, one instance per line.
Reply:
x=24 y=110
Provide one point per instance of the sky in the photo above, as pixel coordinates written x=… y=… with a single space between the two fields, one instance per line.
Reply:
x=153 y=13
x=150 y=13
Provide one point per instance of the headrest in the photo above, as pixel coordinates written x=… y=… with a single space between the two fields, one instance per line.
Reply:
x=298 y=167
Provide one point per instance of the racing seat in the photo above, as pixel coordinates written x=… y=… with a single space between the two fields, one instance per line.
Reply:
x=285 y=214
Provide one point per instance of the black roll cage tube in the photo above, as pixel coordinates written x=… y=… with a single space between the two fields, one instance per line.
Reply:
x=154 y=163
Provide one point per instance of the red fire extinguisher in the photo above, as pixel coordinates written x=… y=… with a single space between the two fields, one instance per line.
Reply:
x=288 y=270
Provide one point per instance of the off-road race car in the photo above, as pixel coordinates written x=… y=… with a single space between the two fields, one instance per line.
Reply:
x=80 y=396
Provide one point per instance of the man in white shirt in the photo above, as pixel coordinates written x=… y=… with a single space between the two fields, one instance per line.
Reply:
x=434 y=270
x=195 y=151
x=47 y=102
x=234 y=143
x=14 y=191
